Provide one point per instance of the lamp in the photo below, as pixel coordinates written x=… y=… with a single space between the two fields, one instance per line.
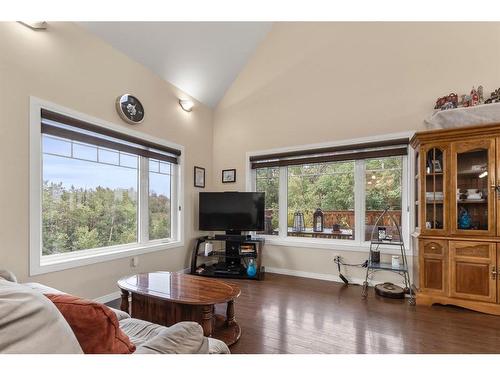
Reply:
x=298 y=222
x=34 y=25
x=186 y=104
x=318 y=220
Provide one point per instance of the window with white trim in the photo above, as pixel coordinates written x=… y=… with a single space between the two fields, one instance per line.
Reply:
x=349 y=193
x=101 y=192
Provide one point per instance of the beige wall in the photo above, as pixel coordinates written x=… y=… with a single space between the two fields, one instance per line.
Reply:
x=321 y=82
x=68 y=66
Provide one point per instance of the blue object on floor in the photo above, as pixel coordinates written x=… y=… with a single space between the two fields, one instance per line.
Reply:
x=251 y=269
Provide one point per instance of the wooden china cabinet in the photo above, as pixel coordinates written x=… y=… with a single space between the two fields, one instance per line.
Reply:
x=458 y=222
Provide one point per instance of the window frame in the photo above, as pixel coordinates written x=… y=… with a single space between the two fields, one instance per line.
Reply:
x=39 y=264
x=358 y=244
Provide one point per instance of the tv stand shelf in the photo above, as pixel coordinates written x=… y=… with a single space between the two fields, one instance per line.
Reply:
x=230 y=262
x=223 y=254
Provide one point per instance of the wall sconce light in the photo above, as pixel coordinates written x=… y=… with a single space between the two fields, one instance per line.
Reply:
x=186 y=104
x=36 y=25
x=483 y=175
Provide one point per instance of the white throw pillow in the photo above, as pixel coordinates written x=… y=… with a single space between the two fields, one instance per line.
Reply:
x=30 y=323
x=7 y=275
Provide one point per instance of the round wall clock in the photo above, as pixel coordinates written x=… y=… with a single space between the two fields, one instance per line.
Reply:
x=130 y=109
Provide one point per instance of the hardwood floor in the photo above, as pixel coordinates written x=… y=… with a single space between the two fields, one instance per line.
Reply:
x=285 y=314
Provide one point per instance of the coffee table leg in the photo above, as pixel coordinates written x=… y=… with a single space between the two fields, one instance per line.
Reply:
x=124 y=305
x=230 y=313
x=206 y=320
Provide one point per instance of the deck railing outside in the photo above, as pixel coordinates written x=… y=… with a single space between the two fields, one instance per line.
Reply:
x=345 y=219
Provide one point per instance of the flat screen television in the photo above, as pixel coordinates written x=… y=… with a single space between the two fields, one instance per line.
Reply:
x=232 y=212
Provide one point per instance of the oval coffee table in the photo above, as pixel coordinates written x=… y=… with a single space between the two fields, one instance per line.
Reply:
x=167 y=298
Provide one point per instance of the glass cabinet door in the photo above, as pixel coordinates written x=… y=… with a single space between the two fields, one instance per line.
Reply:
x=472 y=178
x=434 y=189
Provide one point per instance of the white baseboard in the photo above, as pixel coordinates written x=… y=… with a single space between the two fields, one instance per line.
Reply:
x=321 y=276
x=311 y=275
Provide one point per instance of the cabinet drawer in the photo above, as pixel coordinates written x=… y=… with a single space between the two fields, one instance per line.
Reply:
x=433 y=248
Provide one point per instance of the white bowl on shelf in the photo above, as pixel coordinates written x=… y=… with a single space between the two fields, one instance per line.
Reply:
x=474 y=197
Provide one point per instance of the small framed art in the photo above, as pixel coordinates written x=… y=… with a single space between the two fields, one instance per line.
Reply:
x=228 y=175
x=199 y=177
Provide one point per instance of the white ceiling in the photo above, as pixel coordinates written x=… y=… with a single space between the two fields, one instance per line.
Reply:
x=200 y=58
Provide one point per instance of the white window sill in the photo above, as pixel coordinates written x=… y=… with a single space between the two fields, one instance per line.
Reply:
x=59 y=262
x=334 y=245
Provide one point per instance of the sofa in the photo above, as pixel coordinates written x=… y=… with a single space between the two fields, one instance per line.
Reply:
x=31 y=323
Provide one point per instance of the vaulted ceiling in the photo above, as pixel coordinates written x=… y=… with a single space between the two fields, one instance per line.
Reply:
x=201 y=58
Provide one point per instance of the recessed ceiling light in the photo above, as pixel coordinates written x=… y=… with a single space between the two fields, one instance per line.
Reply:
x=34 y=25
x=186 y=104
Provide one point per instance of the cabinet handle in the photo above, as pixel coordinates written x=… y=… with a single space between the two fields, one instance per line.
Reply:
x=494 y=273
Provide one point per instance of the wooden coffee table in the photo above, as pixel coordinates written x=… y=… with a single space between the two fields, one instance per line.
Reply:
x=167 y=298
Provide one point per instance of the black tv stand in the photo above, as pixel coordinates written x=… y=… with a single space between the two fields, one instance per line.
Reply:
x=230 y=262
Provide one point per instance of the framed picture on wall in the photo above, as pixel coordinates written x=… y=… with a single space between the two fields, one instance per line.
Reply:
x=228 y=175
x=199 y=177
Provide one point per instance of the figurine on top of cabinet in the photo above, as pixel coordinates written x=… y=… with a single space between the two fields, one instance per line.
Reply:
x=469 y=100
x=494 y=97
x=474 y=97
x=480 y=93
x=465 y=100
x=447 y=102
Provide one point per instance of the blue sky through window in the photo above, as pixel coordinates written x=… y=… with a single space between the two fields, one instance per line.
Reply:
x=58 y=166
x=89 y=175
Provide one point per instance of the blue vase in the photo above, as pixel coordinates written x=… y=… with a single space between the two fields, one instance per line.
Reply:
x=251 y=268
x=464 y=220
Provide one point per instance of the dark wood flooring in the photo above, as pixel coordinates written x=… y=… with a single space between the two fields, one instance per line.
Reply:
x=285 y=314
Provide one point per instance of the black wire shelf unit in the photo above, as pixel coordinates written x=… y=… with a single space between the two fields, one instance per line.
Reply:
x=375 y=243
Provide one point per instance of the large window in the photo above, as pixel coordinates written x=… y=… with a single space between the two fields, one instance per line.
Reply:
x=349 y=195
x=101 y=192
